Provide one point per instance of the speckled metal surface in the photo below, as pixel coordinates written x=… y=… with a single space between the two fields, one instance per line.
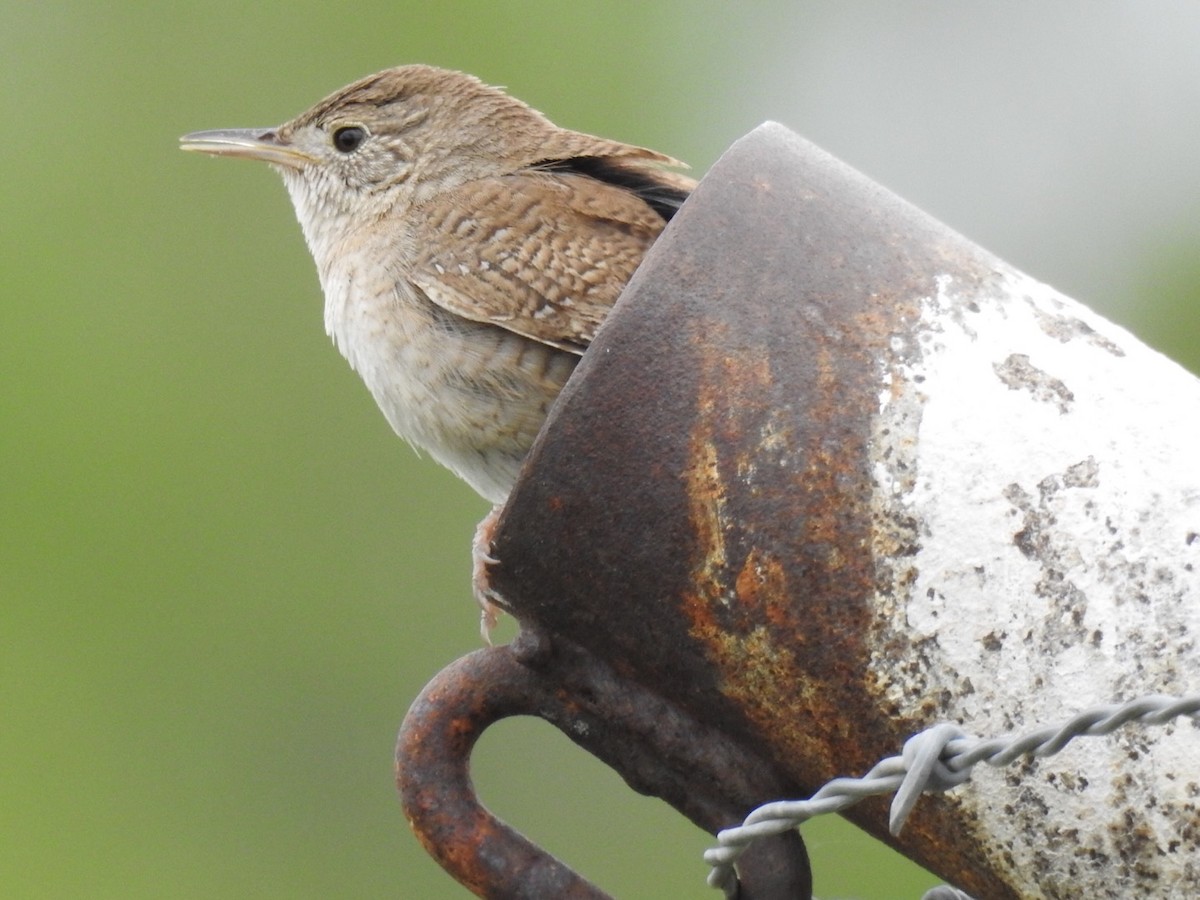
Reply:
x=829 y=474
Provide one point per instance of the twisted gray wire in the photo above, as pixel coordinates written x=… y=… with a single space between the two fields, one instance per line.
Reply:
x=936 y=759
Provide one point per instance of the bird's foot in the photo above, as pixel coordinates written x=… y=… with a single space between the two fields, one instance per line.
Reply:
x=489 y=599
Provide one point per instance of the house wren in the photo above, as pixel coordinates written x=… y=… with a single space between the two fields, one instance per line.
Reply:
x=468 y=249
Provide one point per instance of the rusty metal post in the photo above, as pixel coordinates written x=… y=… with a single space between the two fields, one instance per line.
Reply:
x=831 y=473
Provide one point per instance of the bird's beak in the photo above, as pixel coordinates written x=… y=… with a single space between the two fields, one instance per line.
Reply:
x=247 y=143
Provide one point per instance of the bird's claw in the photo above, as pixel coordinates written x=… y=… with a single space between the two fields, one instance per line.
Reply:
x=491 y=603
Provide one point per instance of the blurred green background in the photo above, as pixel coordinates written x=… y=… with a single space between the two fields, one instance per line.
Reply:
x=222 y=579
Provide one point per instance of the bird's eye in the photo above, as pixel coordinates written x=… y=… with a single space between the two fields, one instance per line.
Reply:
x=349 y=138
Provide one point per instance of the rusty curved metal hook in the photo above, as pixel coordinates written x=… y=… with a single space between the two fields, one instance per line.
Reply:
x=433 y=774
x=658 y=751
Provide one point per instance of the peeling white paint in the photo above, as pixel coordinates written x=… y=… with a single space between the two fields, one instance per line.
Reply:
x=1044 y=464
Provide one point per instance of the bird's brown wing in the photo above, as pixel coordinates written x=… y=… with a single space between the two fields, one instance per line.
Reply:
x=542 y=255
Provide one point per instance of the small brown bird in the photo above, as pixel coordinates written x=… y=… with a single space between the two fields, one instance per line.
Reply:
x=468 y=249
